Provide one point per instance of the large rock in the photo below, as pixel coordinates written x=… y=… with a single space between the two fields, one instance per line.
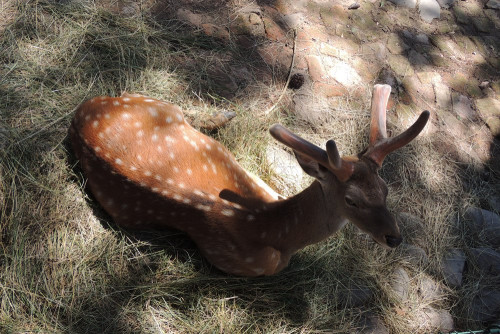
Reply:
x=405 y=3
x=485 y=306
x=429 y=10
x=487 y=261
x=432 y=320
x=494 y=4
x=485 y=224
x=489 y=109
x=429 y=290
x=371 y=324
x=285 y=166
x=453 y=267
x=400 y=285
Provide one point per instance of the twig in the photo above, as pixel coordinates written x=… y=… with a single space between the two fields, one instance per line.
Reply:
x=289 y=75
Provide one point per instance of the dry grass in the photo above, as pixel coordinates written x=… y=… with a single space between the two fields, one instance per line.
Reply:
x=63 y=269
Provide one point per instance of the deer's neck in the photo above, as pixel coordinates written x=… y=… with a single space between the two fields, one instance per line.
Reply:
x=304 y=219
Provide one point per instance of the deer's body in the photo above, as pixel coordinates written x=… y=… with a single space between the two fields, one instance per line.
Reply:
x=149 y=168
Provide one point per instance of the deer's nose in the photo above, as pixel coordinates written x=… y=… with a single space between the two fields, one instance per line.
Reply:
x=393 y=241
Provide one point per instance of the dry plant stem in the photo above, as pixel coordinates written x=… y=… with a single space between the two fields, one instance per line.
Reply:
x=289 y=75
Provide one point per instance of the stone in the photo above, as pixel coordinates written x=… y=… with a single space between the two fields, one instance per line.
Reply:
x=482 y=24
x=341 y=72
x=487 y=261
x=405 y=3
x=453 y=267
x=415 y=255
x=315 y=67
x=422 y=38
x=417 y=59
x=443 y=95
x=396 y=45
x=188 y=16
x=462 y=108
x=428 y=77
x=329 y=90
x=357 y=296
x=285 y=166
x=493 y=4
x=485 y=306
x=371 y=324
x=400 y=65
x=295 y=20
x=248 y=24
x=489 y=109
x=216 y=31
x=463 y=83
x=434 y=320
x=485 y=224
x=429 y=10
x=327 y=49
x=400 y=285
x=429 y=290
x=446 y=3
x=273 y=31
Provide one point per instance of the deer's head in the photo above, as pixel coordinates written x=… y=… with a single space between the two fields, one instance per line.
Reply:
x=352 y=184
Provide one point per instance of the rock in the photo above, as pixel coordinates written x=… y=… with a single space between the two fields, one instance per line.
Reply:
x=248 y=24
x=295 y=20
x=415 y=255
x=429 y=290
x=485 y=306
x=190 y=17
x=315 y=67
x=453 y=267
x=422 y=38
x=483 y=24
x=341 y=72
x=216 y=31
x=285 y=166
x=485 y=224
x=329 y=90
x=428 y=77
x=405 y=3
x=273 y=30
x=417 y=59
x=487 y=261
x=371 y=324
x=400 y=65
x=429 y=10
x=489 y=109
x=493 y=4
x=462 y=107
x=443 y=95
x=396 y=45
x=433 y=320
x=446 y=3
x=329 y=50
x=400 y=284
x=357 y=296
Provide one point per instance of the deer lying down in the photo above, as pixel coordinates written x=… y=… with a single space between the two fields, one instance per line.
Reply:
x=149 y=169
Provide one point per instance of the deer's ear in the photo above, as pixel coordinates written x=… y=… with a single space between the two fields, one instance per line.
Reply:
x=310 y=166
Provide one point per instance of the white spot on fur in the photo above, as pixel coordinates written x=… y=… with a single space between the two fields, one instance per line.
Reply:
x=228 y=213
x=118 y=161
x=116 y=103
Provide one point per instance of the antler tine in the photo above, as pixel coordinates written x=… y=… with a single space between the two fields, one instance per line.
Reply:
x=383 y=147
x=302 y=146
x=341 y=168
x=378 y=114
x=329 y=159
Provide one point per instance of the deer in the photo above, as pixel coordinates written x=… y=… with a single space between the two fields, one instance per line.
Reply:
x=150 y=169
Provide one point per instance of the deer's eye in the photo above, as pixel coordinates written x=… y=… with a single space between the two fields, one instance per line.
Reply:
x=350 y=202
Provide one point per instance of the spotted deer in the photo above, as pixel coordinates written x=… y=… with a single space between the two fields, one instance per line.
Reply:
x=149 y=169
